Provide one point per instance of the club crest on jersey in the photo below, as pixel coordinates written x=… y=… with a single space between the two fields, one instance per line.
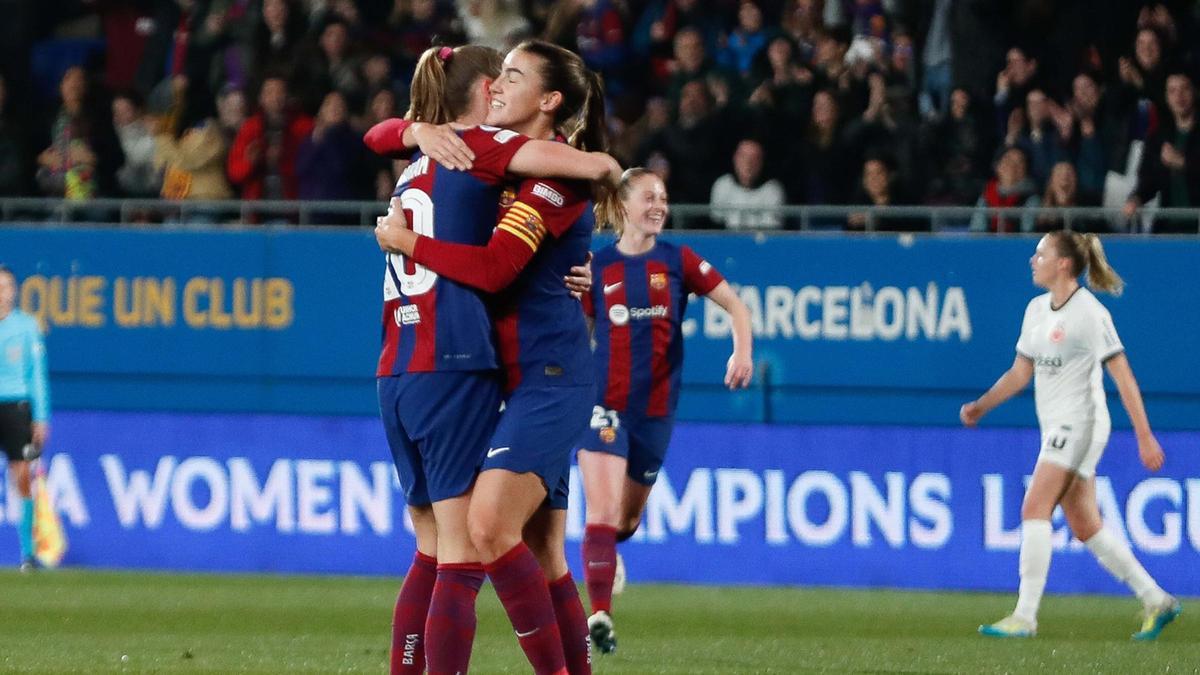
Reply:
x=1058 y=334
x=705 y=267
x=658 y=280
x=608 y=435
x=618 y=315
x=406 y=315
x=549 y=194
x=507 y=198
x=534 y=226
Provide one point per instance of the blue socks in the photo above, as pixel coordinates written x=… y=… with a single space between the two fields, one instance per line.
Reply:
x=25 y=530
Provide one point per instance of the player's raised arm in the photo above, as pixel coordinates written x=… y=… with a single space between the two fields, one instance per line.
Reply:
x=544 y=159
x=398 y=138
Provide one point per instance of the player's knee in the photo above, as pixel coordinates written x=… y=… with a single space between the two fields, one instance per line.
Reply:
x=489 y=537
x=604 y=514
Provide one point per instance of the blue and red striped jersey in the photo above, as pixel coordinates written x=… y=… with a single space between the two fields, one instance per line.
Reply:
x=638 y=303
x=540 y=328
x=431 y=323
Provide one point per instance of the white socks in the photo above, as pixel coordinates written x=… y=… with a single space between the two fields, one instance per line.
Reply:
x=1114 y=555
x=1034 y=566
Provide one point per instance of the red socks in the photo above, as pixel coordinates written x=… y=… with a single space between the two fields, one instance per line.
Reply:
x=600 y=565
x=433 y=626
x=450 y=628
x=572 y=624
x=522 y=589
x=408 y=619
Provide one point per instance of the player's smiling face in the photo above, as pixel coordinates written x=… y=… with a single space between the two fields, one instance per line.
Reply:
x=1046 y=263
x=517 y=95
x=646 y=204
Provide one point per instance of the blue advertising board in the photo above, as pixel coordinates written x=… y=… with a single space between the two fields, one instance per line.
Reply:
x=849 y=330
x=741 y=504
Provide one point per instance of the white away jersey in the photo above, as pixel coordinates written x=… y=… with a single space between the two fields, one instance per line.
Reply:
x=1068 y=347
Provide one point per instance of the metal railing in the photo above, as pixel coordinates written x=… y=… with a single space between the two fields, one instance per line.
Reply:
x=239 y=213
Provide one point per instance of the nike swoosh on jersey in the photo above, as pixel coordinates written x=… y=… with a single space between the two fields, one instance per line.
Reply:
x=525 y=635
x=650 y=474
x=492 y=452
x=597 y=563
x=609 y=288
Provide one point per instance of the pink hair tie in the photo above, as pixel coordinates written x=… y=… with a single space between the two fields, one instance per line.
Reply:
x=445 y=53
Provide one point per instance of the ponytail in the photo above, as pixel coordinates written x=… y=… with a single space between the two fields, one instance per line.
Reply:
x=444 y=81
x=581 y=115
x=1087 y=254
x=608 y=209
x=426 y=93
x=1100 y=274
x=590 y=134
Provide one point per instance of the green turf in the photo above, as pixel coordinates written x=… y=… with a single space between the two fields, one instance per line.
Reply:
x=84 y=621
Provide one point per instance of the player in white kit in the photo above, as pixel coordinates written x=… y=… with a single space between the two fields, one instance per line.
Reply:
x=1066 y=336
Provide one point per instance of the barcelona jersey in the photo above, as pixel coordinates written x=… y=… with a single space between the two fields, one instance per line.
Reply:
x=638 y=302
x=540 y=327
x=431 y=323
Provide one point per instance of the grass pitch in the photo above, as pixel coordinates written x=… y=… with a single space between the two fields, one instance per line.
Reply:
x=91 y=621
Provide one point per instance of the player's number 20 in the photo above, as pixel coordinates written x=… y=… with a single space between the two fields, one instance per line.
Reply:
x=421 y=279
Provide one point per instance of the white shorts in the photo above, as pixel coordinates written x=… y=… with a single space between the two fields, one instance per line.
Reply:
x=1075 y=447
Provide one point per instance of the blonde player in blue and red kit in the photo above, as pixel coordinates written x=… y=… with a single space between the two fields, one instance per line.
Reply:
x=546 y=227
x=640 y=291
x=438 y=357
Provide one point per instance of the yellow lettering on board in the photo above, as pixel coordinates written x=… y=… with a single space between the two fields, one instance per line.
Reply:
x=218 y=317
x=280 y=294
x=251 y=317
x=158 y=301
x=91 y=301
x=195 y=287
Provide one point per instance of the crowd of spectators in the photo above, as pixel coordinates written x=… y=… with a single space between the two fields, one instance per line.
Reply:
x=737 y=103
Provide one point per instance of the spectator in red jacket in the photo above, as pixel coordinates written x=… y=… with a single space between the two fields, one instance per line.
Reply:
x=262 y=161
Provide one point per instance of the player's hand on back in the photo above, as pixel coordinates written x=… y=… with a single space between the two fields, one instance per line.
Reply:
x=970 y=413
x=440 y=142
x=391 y=230
x=739 y=371
x=579 y=281
x=1150 y=452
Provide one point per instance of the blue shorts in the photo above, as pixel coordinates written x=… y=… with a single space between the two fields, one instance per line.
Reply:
x=538 y=431
x=438 y=425
x=641 y=440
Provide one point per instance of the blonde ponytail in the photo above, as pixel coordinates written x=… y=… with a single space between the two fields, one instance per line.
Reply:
x=609 y=211
x=427 y=91
x=1100 y=275
x=1085 y=253
x=445 y=80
